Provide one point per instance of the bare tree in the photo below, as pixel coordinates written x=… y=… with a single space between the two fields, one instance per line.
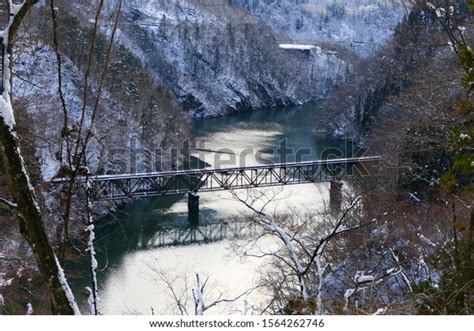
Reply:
x=25 y=205
x=198 y=297
x=76 y=138
x=302 y=252
x=200 y=307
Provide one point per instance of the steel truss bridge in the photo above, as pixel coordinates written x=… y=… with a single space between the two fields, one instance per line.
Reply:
x=135 y=186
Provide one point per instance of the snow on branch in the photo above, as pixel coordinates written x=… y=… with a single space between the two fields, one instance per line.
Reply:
x=198 y=297
x=66 y=288
x=306 y=258
x=15 y=12
x=364 y=280
x=31 y=219
x=402 y=273
x=93 y=292
x=267 y=222
x=8 y=204
x=29 y=309
x=198 y=294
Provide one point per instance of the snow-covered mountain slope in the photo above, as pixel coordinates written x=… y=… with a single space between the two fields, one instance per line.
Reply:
x=221 y=56
x=359 y=25
x=36 y=81
x=120 y=131
x=214 y=56
x=218 y=58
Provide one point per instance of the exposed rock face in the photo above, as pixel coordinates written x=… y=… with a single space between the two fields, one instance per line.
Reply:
x=210 y=57
x=376 y=83
x=362 y=26
x=138 y=122
x=220 y=56
x=217 y=58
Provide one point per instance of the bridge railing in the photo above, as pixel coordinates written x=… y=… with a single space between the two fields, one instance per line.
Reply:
x=129 y=186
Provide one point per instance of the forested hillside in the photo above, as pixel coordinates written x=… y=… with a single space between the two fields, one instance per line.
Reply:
x=361 y=26
x=217 y=58
x=124 y=89
x=415 y=109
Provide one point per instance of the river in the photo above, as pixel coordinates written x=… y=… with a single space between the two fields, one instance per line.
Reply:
x=148 y=247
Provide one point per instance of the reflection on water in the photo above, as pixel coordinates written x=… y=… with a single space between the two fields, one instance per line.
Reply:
x=250 y=138
x=150 y=239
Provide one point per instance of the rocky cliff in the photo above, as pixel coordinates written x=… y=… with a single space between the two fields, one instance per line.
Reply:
x=206 y=57
x=223 y=56
x=361 y=26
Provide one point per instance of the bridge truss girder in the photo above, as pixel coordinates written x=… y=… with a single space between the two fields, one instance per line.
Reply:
x=209 y=180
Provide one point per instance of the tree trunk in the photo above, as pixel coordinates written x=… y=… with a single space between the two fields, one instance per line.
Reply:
x=31 y=222
x=14 y=169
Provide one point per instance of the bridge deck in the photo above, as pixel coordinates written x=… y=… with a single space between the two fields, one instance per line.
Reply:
x=128 y=186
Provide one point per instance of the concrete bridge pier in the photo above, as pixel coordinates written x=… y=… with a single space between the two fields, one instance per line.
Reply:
x=193 y=207
x=335 y=196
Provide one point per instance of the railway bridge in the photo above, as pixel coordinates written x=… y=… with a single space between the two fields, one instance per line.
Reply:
x=135 y=186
